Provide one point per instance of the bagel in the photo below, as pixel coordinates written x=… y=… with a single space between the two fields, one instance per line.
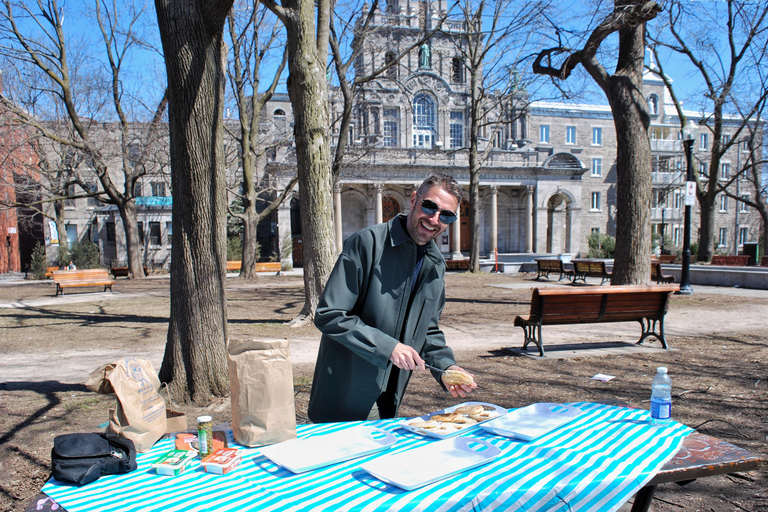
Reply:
x=422 y=424
x=469 y=409
x=447 y=418
x=464 y=421
x=485 y=415
x=455 y=377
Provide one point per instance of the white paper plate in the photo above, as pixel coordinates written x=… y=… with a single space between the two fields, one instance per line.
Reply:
x=299 y=455
x=449 y=410
x=533 y=421
x=435 y=461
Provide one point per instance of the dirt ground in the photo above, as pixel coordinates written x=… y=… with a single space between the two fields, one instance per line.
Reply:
x=718 y=360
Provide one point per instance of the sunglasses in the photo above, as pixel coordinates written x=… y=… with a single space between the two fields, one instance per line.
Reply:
x=431 y=208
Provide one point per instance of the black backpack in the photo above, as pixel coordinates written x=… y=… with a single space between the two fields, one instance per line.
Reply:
x=83 y=458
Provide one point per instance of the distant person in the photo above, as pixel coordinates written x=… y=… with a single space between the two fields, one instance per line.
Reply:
x=379 y=312
x=71 y=266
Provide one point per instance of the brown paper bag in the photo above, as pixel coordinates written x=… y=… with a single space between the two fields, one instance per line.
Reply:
x=175 y=421
x=140 y=411
x=261 y=385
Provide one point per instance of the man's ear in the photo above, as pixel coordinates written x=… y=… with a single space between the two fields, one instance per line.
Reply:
x=413 y=199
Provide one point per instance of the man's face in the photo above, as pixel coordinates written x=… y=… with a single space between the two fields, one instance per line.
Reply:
x=423 y=227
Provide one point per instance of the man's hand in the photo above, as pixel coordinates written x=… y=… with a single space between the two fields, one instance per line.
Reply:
x=460 y=390
x=406 y=358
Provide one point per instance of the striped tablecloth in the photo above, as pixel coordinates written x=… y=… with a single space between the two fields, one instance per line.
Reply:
x=595 y=463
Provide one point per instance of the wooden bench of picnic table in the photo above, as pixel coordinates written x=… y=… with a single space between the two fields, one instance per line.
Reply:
x=646 y=304
x=548 y=266
x=658 y=275
x=734 y=261
x=582 y=269
x=85 y=277
x=261 y=266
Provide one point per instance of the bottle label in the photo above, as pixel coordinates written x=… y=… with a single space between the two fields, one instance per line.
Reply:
x=661 y=410
x=202 y=437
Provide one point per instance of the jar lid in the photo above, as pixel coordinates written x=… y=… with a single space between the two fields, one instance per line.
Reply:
x=204 y=419
x=661 y=369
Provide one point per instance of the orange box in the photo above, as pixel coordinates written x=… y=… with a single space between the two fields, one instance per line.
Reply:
x=221 y=462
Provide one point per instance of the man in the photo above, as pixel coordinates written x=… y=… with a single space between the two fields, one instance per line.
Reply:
x=379 y=312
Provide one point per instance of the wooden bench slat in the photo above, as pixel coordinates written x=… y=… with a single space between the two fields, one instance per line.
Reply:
x=261 y=266
x=646 y=304
x=85 y=277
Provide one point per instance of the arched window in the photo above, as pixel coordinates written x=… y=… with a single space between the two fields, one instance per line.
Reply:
x=653 y=104
x=392 y=71
x=279 y=117
x=423 y=121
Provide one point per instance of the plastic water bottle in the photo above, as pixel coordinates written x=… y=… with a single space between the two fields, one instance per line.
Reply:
x=661 y=397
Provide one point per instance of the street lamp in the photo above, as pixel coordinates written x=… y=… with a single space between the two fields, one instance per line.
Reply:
x=689 y=135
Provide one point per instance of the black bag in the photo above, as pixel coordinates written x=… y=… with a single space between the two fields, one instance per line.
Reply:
x=83 y=458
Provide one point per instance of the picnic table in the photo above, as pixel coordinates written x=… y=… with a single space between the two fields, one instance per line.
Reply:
x=596 y=462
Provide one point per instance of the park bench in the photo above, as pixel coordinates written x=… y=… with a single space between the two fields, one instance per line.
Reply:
x=667 y=258
x=764 y=261
x=582 y=269
x=262 y=266
x=551 y=266
x=85 y=277
x=658 y=275
x=734 y=261
x=49 y=272
x=558 y=306
x=123 y=271
x=462 y=264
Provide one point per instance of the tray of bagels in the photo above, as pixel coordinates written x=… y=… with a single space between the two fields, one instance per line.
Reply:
x=453 y=420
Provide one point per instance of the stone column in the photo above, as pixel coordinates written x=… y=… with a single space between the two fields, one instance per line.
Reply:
x=494 y=220
x=379 y=216
x=529 y=190
x=337 y=218
x=456 y=236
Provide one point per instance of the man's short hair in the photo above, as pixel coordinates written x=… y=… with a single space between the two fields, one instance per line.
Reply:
x=444 y=181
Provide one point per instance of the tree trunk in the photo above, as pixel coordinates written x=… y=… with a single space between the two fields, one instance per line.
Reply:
x=633 y=161
x=474 y=168
x=250 y=217
x=308 y=90
x=195 y=363
x=706 y=226
x=132 y=239
x=61 y=230
x=250 y=223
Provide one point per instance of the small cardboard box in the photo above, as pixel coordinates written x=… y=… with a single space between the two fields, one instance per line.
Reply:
x=173 y=462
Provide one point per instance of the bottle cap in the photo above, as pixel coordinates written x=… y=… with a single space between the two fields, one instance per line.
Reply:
x=661 y=369
x=204 y=419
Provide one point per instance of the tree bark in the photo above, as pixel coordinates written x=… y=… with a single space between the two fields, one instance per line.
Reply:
x=630 y=116
x=633 y=161
x=307 y=47
x=195 y=365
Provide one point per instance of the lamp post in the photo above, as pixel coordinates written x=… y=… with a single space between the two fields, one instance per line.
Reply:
x=689 y=135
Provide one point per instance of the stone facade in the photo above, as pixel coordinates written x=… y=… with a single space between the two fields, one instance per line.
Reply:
x=549 y=180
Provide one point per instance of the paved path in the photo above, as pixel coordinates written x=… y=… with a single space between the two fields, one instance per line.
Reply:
x=561 y=341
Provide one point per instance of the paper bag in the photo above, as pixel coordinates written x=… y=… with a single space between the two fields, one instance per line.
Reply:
x=140 y=411
x=261 y=385
x=175 y=421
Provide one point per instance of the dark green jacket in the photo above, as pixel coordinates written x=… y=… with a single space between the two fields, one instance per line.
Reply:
x=364 y=312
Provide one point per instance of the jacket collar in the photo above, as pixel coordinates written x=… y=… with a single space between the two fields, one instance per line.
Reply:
x=398 y=235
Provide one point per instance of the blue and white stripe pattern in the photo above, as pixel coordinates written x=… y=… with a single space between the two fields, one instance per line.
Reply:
x=595 y=463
